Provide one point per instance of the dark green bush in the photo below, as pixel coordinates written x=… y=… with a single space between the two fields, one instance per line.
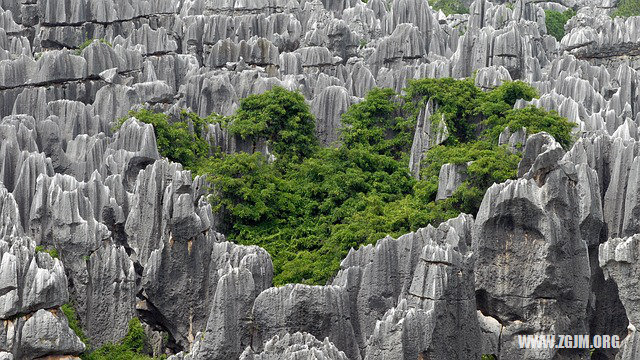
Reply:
x=181 y=141
x=556 y=20
x=456 y=100
x=131 y=347
x=450 y=7
x=627 y=8
x=376 y=123
x=282 y=117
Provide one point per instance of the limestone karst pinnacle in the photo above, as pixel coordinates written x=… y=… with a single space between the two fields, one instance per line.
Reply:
x=555 y=251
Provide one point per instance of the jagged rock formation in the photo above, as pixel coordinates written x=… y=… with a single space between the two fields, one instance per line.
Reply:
x=619 y=260
x=33 y=287
x=136 y=237
x=294 y=346
x=531 y=259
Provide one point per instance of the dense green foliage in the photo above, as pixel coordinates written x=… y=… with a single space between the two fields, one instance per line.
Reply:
x=282 y=118
x=131 y=347
x=296 y=214
x=180 y=141
x=534 y=120
x=450 y=7
x=377 y=124
x=555 y=21
x=626 y=8
x=310 y=205
x=51 y=251
x=490 y=164
x=456 y=99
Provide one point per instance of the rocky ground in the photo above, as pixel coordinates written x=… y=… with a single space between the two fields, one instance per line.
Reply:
x=556 y=251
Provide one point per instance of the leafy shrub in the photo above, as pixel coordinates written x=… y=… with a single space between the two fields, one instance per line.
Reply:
x=375 y=123
x=535 y=120
x=555 y=21
x=279 y=116
x=131 y=347
x=88 y=42
x=181 y=141
x=293 y=213
x=450 y=7
x=456 y=100
x=74 y=323
x=51 y=251
x=490 y=164
x=627 y=8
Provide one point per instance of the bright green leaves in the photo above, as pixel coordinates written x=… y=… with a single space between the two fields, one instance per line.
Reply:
x=136 y=339
x=556 y=20
x=490 y=164
x=279 y=116
x=311 y=205
x=377 y=124
x=132 y=347
x=181 y=141
x=534 y=120
x=455 y=99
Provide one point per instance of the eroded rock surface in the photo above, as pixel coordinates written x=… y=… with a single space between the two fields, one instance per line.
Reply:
x=136 y=237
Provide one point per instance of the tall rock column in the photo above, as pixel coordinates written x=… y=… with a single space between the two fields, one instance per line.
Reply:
x=532 y=267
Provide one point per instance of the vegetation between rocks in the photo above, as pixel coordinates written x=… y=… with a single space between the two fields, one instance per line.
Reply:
x=132 y=347
x=311 y=204
x=626 y=8
x=88 y=42
x=74 y=323
x=51 y=251
x=555 y=21
x=449 y=7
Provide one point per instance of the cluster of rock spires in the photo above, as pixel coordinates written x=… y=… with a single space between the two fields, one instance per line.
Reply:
x=556 y=251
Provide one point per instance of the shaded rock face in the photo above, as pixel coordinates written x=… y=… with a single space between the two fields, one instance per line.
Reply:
x=328 y=108
x=532 y=268
x=618 y=258
x=440 y=304
x=194 y=269
x=405 y=281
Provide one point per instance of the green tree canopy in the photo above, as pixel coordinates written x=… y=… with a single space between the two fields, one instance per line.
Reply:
x=282 y=117
x=311 y=205
x=555 y=21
